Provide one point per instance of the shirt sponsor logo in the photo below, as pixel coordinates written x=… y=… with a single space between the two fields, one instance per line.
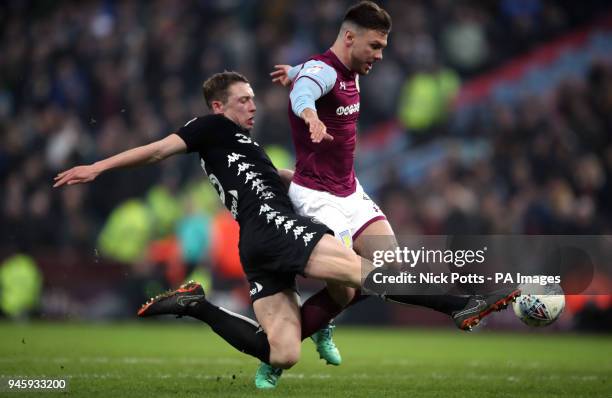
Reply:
x=347 y=110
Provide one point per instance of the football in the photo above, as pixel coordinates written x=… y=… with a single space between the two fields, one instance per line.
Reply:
x=539 y=305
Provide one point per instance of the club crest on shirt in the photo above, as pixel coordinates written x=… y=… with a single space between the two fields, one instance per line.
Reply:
x=314 y=69
x=346 y=238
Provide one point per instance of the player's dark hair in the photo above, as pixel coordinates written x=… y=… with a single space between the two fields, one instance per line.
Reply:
x=369 y=15
x=215 y=87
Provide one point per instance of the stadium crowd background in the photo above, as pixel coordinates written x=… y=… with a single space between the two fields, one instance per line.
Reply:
x=83 y=80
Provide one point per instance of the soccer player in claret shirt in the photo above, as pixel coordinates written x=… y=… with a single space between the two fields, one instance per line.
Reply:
x=323 y=112
x=275 y=245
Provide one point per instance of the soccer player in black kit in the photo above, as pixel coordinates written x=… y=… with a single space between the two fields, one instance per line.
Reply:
x=275 y=243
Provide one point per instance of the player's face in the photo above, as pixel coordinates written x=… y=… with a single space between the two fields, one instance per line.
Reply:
x=367 y=49
x=240 y=105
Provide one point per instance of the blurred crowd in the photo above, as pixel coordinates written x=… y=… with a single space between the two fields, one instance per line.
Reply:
x=80 y=81
x=549 y=170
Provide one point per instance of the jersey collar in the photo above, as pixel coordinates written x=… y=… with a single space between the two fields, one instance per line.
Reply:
x=338 y=65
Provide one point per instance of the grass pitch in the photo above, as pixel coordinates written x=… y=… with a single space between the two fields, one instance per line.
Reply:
x=186 y=359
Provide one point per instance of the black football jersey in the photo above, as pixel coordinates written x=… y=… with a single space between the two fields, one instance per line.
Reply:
x=238 y=168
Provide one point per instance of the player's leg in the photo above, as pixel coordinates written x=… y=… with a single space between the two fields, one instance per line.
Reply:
x=375 y=234
x=332 y=300
x=330 y=260
x=321 y=329
x=319 y=310
x=365 y=229
x=379 y=235
x=279 y=316
x=318 y=313
x=370 y=230
x=463 y=309
x=278 y=311
x=323 y=206
x=276 y=306
x=362 y=217
x=242 y=333
x=333 y=262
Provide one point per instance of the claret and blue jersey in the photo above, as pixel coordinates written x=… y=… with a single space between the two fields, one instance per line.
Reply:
x=325 y=84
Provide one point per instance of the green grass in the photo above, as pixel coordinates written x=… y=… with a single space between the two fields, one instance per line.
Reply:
x=185 y=359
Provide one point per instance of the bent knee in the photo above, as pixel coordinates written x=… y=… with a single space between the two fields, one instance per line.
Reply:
x=284 y=358
x=285 y=349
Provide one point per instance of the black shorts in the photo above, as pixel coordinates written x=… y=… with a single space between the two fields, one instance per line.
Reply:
x=275 y=246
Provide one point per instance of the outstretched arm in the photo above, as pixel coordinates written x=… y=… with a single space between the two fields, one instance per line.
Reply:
x=151 y=153
x=315 y=80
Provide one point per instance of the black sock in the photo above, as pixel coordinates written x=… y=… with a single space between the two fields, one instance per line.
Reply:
x=445 y=303
x=430 y=297
x=242 y=333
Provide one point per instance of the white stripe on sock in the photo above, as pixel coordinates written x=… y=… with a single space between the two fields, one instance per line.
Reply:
x=244 y=318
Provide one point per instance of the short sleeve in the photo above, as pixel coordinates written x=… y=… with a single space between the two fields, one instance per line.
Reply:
x=320 y=73
x=199 y=132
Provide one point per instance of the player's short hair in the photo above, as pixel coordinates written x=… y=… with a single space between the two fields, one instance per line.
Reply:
x=215 y=87
x=369 y=15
